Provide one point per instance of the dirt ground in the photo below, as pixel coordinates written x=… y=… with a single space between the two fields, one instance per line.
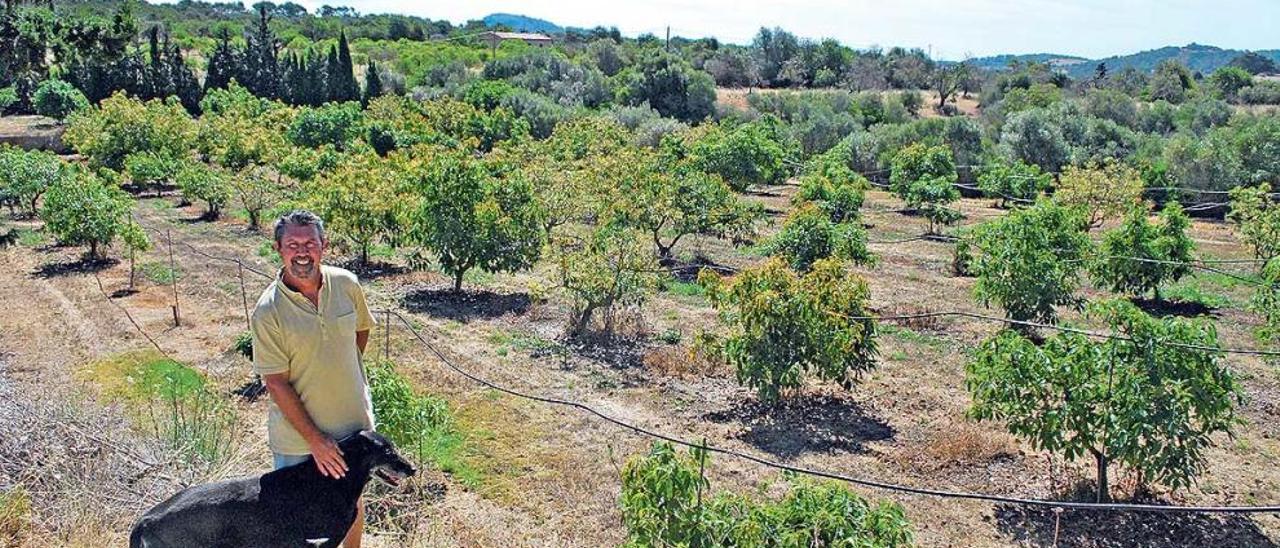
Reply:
x=550 y=475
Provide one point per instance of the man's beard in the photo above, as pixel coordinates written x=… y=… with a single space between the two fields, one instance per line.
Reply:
x=302 y=271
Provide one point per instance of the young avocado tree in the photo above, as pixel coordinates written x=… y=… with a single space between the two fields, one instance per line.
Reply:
x=82 y=210
x=1028 y=261
x=471 y=219
x=602 y=269
x=1257 y=214
x=1074 y=396
x=1102 y=191
x=924 y=177
x=1013 y=181
x=808 y=235
x=135 y=241
x=1138 y=256
x=782 y=325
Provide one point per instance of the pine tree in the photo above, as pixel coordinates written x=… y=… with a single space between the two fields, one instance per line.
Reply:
x=372 y=83
x=222 y=64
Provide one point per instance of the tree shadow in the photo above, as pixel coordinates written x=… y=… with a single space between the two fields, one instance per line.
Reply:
x=1164 y=307
x=806 y=424
x=611 y=350
x=1035 y=526
x=123 y=292
x=373 y=270
x=465 y=306
x=687 y=271
x=68 y=268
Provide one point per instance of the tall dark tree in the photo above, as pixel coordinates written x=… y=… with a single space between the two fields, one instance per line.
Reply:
x=342 y=85
x=222 y=64
x=183 y=79
x=372 y=83
x=260 y=69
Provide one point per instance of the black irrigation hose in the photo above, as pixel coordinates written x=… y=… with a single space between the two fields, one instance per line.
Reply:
x=831 y=475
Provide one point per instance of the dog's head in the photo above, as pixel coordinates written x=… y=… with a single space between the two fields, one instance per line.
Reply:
x=379 y=454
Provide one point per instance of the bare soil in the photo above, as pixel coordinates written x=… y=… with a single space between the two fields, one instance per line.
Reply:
x=550 y=475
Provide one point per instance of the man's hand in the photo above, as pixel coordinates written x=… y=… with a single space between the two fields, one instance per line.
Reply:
x=328 y=457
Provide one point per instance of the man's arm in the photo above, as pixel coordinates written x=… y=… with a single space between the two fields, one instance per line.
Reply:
x=325 y=451
x=362 y=340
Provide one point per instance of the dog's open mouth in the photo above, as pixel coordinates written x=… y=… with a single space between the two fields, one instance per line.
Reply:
x=389 y=478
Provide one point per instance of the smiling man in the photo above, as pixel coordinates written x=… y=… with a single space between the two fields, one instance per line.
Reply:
x=310 y=328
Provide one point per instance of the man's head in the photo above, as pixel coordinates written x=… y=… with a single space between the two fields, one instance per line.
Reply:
x=300 y=242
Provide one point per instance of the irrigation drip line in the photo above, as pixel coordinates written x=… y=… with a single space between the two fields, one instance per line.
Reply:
x=106 y=296
x=822 y=473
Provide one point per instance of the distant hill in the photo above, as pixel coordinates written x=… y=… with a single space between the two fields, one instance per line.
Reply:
x=1001 y=62
x=1197 y=57
x=522 y=23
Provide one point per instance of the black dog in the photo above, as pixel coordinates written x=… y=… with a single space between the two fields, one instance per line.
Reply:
x=294 y=506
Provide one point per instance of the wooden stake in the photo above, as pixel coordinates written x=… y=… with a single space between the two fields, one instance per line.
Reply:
x=244 y=297
x=173 y=274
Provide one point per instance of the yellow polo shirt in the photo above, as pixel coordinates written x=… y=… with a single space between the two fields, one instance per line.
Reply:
x=316 y=346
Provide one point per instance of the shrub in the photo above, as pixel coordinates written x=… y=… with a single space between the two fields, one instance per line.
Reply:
x=1028 y=261
x=1075 y=397
x=1100 y=192
x=664 y=504
x=80 y=210
x=925 y=177
x=58 y=99
x=8 y=96
x=416 y=423
x=783 y=326
x=809 y=235
x=1162 y=252
x=1013 y=181
x=209 y=185
x=1262 y=92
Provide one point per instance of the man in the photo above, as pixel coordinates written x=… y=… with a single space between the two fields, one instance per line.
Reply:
x=310 y=328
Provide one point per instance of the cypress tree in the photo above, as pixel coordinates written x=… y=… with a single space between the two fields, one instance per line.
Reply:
x=347 y=88
x=372 y=83
x=261 y=69
x=333 y=80
x=222 y=64
x=185 y=84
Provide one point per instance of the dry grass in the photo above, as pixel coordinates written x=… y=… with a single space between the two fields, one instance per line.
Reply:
x=967 y=444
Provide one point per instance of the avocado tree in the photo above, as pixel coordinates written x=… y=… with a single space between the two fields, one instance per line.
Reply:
x=25 y=176
x=1028 y=261
x=471 y=219
x=82 y=210
x=359 y=202
x=1256 y=213
x=198 y=181
x=808 y=235
x=782 y=325
x=1138 y=256
x=1013 y=181
x=924 y=176
x=1141 y=401
x=150 y=170
x=602 y=269
x=1101 y=191
x=840 y=197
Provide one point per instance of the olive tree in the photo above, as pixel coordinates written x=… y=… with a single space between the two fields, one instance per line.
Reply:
x=82 y=210
x=1138 y=256
x=925 y=176
x=1028 y=261
x=783 y=325
x=1077 y=397
x=471 y=219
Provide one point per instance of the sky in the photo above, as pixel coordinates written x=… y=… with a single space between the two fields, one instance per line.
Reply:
x=952 y=29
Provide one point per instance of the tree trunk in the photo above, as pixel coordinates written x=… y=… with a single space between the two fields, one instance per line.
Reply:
x=457 y=281
x=131 y=270
x=364 y=254
x=1104 y=494
x=584 y=320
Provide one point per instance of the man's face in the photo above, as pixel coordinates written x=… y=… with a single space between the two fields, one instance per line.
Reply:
x=300 y=248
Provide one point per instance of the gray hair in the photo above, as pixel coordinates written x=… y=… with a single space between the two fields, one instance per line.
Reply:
x=298 y=217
